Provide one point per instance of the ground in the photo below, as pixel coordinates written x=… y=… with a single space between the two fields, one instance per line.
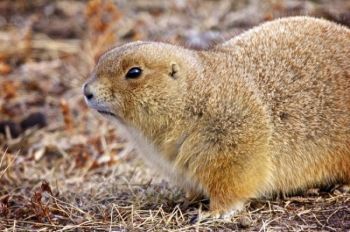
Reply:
x=63 y=167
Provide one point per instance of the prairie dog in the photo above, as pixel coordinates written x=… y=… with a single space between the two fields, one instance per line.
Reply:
x=267 y=111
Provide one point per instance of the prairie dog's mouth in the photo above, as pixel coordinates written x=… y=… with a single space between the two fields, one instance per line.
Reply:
x=110 y=114
x=103 y=109
x=107 y=113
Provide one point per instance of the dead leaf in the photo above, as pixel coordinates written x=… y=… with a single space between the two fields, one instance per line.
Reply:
x=9 y=89
x=45 y=187
x=5 y=68
x=67 y=116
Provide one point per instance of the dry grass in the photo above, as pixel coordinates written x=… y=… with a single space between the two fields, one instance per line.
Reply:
x=76 y=172
x=129 y=197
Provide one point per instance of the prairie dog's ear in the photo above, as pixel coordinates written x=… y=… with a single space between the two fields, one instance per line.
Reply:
x=174 y=69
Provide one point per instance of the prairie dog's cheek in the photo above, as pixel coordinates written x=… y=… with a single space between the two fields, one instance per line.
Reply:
x=117 y=99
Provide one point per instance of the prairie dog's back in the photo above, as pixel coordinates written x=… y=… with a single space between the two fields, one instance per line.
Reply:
x=301 y=67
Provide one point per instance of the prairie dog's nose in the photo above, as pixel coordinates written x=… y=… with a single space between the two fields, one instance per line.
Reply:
x=87 y=91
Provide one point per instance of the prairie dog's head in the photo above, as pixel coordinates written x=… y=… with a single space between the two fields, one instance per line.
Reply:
x=139 y=80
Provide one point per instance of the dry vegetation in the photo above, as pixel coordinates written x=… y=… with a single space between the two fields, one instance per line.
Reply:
x=62 y=167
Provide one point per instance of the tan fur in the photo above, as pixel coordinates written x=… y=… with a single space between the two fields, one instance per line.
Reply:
x=267 y=111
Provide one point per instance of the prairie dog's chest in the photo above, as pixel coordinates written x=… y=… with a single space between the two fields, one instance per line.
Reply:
x=155 y=159
x=149 y=152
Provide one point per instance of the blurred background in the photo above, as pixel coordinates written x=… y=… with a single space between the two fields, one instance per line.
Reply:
x=48 y=48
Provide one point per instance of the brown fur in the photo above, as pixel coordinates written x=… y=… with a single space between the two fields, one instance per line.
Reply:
x=267 y=111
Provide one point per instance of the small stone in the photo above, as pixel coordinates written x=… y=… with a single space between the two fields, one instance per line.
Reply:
x=35 y=119
x=244 y=222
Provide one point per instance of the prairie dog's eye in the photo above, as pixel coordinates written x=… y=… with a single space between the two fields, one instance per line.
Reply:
x=134 y=72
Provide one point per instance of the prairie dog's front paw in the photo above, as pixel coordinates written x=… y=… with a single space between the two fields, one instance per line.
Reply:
x=222 y=214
